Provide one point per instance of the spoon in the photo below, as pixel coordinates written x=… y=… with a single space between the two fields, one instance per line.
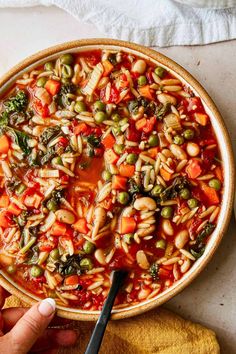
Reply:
x=118 y=277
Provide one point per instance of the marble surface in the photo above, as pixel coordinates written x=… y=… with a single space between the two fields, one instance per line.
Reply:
x=211 y=298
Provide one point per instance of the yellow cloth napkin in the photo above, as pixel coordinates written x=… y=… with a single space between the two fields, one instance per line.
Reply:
x=159 y=331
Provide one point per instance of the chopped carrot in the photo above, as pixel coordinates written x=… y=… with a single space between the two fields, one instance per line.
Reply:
x=4 y=219
x=140 y=124
x=4 y=201
x=153 y=152
x=110 y=156
x=165 y=174
x=107 y=65
x=4 y=144
x=219 y=174
x=119 y=182
x=81 y=128
x=109 y=141
x=145 y=91
x=128 y=225
x=193 y=169
x=210 y=193
x=126 y=170
x=14 y=209
x=201 y=118
x=81 y=226
x=53 y=86
x=71 y=280
x=58 y=229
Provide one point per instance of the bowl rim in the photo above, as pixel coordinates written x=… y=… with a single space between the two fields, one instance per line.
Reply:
x=194 y=84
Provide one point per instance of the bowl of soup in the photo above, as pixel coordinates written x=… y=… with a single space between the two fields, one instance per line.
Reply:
x=112 y=156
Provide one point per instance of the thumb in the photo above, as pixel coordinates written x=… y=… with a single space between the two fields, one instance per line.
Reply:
x=31 y=326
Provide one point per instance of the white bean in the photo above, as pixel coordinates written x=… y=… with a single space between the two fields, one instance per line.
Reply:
x=142 y=260
x=181 y=239
x=139 y=66
x=100 y=256
x=145 y=203
x=192 y=149
x=65 y=216
x=178 y=152
x=167 y=227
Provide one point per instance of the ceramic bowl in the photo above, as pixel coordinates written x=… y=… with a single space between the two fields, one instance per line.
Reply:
x=225 y=148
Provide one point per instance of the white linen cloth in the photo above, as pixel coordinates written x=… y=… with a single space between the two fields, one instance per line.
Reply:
x=149 y=22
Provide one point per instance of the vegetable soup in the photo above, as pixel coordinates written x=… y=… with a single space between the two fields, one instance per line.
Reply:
x=106 y=161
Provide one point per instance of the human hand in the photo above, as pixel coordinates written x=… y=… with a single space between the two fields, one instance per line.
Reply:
x=25 y=330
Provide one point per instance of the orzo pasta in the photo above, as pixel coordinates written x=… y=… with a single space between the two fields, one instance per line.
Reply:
x=106 y=162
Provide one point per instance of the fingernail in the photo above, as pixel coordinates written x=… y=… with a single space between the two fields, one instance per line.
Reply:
x=47 y=307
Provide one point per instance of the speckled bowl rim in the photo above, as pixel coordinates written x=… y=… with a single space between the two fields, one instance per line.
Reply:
x=224 y=144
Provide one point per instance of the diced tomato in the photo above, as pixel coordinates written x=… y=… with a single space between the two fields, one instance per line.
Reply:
x=81 y=226
x=71 y=280
x=194 y=104
x=98 y=152
x=43 y=111
x=14 y=209
x=193 y=168
x=207 y=157
x=132 y=133
x=53 y=86
x=210 y=193
x=58 y=229
x=110 y=156
x=126 y=170
x=128 y=225
x=114 y=95
x=82 y=128
x=119 y=182
x=63 y=141
x=164 y=273
x=148 y=128
x=92 y=58
x=4 y=144
x=5 y=219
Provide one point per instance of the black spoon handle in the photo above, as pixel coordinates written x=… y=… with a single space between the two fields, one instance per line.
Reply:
x=98 y=332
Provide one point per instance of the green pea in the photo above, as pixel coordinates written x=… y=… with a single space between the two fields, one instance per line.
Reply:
x=184 y=193
x=86 y=263
x=119 y=148
x=123 y=198
x=41 y=81
x=128 y=238
x=153 y=140
x=161 y=244
x=142 y=80
x=49 y=66
x=20 y=189
x=99 y=106
x=54 y=254
x=215 y=183
x=115 y=117
x=100 y=117
x=131 y=159
x=52 y=205
x=67 y=59
x=159 y=71
x=36 y=271
x=178 y=140
x=67 y=71
x=11 y=269
x=106 y=175
x=167 y=212
x=188 y=134
x=80 y=107
x=192 y=203
x=123 y=121
x=157 y=190
x=88 y=247
x=116 y=130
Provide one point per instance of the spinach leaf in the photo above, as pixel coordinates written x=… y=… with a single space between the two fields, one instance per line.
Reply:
x=17 y=103
x=48 y=134
x=206 y=231
x=172 y=191
x=4 y=119
x=70 y=266
x=162 y=110
x=48 y=156
x=93 y=140
x=153 y=270
x=133 y=187
x=21 y=139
